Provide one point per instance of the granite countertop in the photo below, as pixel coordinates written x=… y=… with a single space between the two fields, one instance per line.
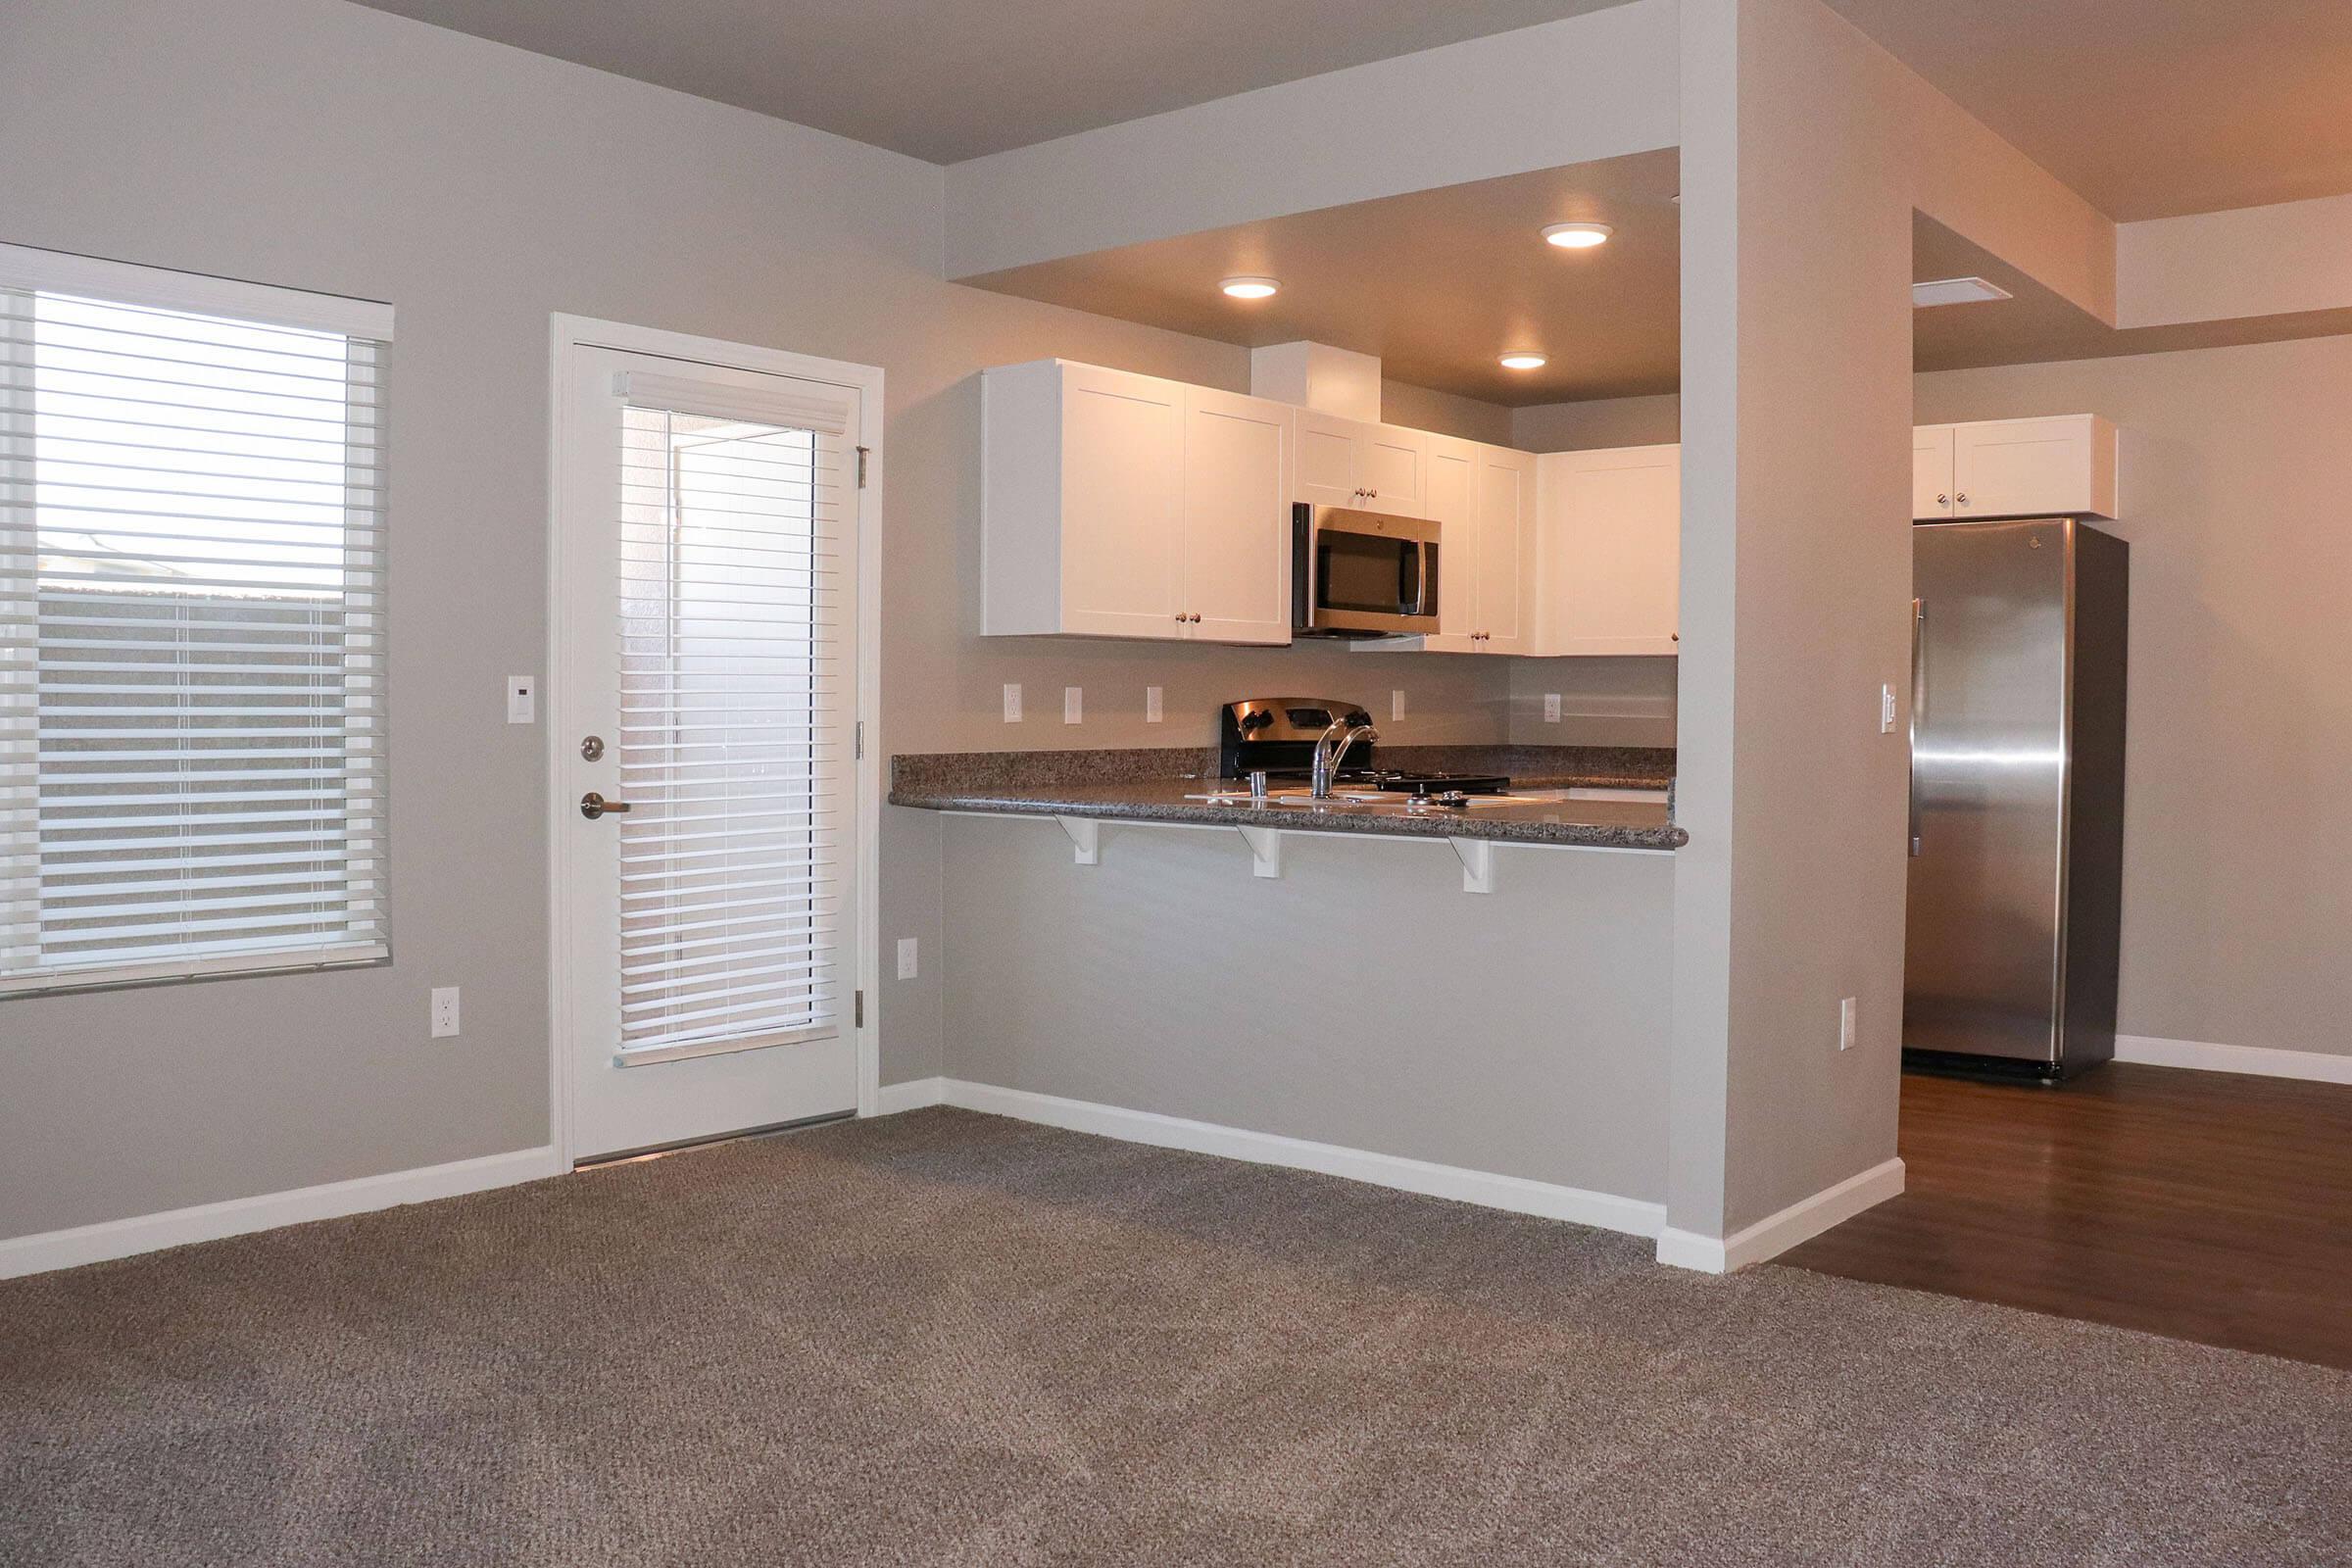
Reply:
x=1115 y=785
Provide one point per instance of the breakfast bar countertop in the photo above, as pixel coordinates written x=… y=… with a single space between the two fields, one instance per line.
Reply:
x=1025 y=784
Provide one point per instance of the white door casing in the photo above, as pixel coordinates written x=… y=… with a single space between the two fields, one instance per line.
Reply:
x=712 y=947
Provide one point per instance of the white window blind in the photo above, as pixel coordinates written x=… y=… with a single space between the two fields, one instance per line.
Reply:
x=735 y=727
x=192 y=768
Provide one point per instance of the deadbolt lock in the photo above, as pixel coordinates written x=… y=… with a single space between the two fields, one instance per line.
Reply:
x=592 y=748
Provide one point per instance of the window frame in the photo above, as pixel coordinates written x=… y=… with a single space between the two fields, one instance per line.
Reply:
x=27 y=268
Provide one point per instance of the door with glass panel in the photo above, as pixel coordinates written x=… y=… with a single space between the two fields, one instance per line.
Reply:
x=706 y=827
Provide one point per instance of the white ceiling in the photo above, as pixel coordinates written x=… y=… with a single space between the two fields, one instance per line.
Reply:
x=2146 y=107
x=951 y=79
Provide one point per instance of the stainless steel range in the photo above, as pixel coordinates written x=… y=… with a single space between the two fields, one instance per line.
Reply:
x=1277 y=737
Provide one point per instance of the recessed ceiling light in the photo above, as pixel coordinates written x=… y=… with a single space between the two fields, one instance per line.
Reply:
x=1251 y=288
x=1957 y=291
x=1522 y=361
x=1577 y=236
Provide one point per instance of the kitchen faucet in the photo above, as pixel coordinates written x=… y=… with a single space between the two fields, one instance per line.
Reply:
x=1342 y=733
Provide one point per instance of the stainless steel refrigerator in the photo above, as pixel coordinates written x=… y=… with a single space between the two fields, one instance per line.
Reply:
x=2017 y=795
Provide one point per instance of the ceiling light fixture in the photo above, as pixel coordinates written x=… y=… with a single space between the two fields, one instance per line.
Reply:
x=1522 y=361
x=1251 y=288
x=1577 y=236
x=1956 y=291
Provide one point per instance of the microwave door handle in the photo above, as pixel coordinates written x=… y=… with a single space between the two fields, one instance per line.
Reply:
x=1420 y=559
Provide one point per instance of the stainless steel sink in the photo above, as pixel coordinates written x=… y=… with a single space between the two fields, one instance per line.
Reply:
x=1294 y=794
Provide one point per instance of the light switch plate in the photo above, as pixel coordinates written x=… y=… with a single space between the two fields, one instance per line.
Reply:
x=1013 y=702
x=1551 y=707
x=906 y=957
x=1397 y=705
x=1885 y=710
x=1151 y=705
x=1073 y=705
x=522 y=699
x=445 y=1012
x=1845 y=1024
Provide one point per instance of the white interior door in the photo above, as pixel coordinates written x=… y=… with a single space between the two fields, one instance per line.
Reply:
x=705 y=682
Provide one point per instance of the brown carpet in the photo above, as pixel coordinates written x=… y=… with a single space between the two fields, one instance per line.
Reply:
x=943 y=1337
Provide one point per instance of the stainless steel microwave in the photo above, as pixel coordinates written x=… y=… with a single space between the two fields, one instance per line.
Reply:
x=1361 y=573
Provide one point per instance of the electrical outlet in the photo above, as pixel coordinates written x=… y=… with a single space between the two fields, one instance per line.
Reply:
x=1073 y=705
x=445 y=1012
x=906 y=957
x=1012 y=703
x=1397 y=705
x=1885 y=710
x=1551 y=707
x=1151 y=705
x=1845 y=1024
x=522 y=699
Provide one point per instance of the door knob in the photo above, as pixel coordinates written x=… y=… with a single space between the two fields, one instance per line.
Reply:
x=594 y=806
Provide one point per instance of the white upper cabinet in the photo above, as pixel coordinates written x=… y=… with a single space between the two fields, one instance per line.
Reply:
x=1932 y=480
x=1453 y=503
x=1116 y=505
x=1484 y=498
x=1609 y=558
x=2063 y=465
x=1235 y=576
x=1506 y=549
x=1371 y=467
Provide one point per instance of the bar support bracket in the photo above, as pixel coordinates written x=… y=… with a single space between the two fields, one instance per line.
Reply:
x=1478 y=863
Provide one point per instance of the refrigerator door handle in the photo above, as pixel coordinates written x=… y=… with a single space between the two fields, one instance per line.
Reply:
x=1919 y=703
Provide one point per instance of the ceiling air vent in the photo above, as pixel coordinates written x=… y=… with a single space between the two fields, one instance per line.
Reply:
x=1956 y=291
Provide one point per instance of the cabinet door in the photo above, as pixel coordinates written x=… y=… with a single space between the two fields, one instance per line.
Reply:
x=1395 y=465
x=1122 y=483
x=2034 y=467
x=1611 y=554
x=1331 y=461
x=1236 y=571
x=1452 y=501
x=1506 y=518
x=1932 y=469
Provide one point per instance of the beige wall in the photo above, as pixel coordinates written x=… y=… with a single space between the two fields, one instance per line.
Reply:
x=319 y=145
x=1795 y=575
x=2238 y=837
x=1599 y=424
x=1581 y=89
x=1419 y=408
x=1516 y=1032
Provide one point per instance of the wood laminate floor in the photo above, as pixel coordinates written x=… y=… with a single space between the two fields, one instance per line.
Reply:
x=2206 y=1206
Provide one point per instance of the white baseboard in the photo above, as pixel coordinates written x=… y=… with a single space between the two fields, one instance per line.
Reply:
x=1517 y=1194
x=1775 y=1234
x=912 y=1095
x=2266 y=1061
x=208 y=1222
